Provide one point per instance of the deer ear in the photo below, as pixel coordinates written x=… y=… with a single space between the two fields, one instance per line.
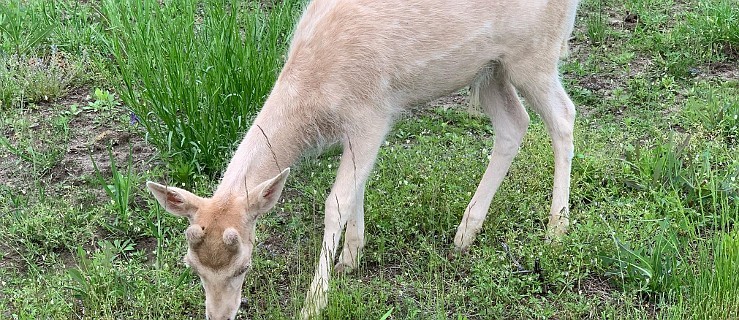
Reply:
x=175 y=200
x=270 y=191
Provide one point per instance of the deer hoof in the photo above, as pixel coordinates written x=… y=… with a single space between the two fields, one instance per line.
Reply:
x=343 y=268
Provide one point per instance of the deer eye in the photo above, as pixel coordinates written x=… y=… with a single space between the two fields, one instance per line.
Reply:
x=241 y=271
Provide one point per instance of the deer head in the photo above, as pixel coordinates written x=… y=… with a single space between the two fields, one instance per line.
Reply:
x=220 y=237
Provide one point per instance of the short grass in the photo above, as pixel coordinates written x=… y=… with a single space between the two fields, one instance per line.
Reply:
x=655 y=195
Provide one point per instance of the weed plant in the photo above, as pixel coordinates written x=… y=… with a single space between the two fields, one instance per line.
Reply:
x=653 y=269
x=118 y=188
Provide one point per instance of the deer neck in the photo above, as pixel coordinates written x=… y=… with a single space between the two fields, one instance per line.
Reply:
x=274 y=142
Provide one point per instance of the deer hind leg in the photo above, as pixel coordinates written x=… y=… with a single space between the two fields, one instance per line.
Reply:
x=498 y=99
x=345 y=204
x=547 y=97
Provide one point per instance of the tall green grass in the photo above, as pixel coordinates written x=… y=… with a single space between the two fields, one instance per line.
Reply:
x=23 y=26
x=196 y=72
x=713 y=288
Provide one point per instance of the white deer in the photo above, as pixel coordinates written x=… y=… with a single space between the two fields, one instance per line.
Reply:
x=352 y=67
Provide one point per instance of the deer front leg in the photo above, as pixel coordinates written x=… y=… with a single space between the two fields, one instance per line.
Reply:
x=353 y=237
x=345 y=203
x=338 y=207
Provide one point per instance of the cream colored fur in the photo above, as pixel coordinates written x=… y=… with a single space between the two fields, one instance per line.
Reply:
x=351 y=68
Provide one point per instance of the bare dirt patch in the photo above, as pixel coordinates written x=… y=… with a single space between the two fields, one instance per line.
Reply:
x=92 y=136
x=9 y=259
x=720 y=70
x=148 y=246
x=597 y=288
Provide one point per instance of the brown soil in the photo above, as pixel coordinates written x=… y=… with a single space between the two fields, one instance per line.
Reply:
x=89 y=140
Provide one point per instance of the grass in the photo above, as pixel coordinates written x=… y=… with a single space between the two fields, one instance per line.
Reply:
x=196 y=72
x=654 y=180
x=712 y=292
x=40 y=58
